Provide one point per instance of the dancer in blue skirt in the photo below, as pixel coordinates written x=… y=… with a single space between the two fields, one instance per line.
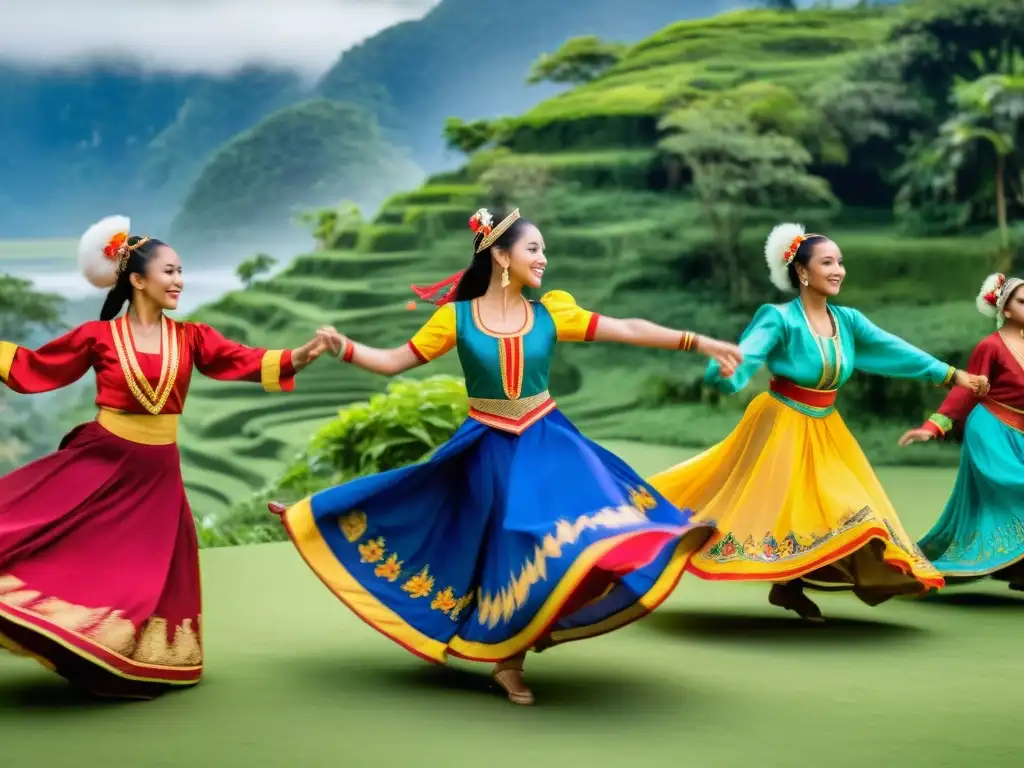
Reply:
x=519 y=533
x=981 y=530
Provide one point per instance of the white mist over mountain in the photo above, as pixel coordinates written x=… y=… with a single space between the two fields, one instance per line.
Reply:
x=212 y=37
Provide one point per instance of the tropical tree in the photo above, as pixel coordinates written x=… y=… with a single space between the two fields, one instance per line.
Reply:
x=468 y=137
x=578 y=61
x=940 y=42
x=985 y=131
x=252 y=268
x=741 y=177
x=330 y=225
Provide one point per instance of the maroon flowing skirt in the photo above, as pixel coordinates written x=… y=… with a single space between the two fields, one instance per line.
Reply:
x=99 y=565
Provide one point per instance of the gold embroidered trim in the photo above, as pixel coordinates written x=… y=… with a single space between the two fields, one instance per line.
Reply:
x=510 y=361
x=110 y=628
x=512 y=410
x=150 y=399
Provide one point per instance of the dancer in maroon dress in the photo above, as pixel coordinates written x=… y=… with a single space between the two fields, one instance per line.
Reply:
x=99 y=566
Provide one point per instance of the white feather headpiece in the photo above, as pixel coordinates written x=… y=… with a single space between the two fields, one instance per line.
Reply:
x=779 y=250
x=988 y=298
x=994 y=293
x=103 y=250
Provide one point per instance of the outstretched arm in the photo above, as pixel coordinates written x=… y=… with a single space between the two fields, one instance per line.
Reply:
x=434 y=339
x=766 y=330
x=56 y=364
x=226 y=360
x=573 y=323
x=958 y=403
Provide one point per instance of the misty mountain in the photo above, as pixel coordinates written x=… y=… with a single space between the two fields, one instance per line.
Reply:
x=80 y=144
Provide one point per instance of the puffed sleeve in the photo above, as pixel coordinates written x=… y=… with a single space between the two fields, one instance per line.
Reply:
x=436 y=337
x=572 y=322
x=960 y=400
x=226 y=360
x=766 y=330
x=883 y=354
x=56 y=364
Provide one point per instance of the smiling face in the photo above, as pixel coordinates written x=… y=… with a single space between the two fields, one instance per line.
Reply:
x=824 y=271
x=163 y=282
x=525 y=259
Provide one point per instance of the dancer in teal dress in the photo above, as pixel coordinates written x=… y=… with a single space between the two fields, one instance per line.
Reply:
x=981 y=530
x=519 y=533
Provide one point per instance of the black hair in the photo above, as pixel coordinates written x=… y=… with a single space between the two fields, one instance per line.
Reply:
x=138 y=259
x=477 y=276
x=803 y=257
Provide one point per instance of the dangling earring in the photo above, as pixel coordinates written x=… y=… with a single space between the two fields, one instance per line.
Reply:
x=504 y=292
x=504 y=278
x=806 y=282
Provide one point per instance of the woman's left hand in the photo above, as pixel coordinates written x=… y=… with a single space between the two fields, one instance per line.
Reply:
x=977 y=384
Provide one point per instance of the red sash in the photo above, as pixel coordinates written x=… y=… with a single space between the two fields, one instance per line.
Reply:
x=814 y=398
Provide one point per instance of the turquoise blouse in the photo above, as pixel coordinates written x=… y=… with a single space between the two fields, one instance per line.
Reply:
x=781 y=337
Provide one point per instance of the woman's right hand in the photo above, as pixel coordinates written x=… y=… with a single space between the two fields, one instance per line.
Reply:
x=917 y=435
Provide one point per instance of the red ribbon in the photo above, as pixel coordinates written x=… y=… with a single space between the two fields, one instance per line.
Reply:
x=430 y=292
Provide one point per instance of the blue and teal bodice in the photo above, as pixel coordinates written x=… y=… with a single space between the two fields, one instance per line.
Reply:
x=506 y=373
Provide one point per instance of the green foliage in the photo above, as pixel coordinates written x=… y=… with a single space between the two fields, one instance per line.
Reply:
x=24 y=309
x=578 y=61
x=942 y=41
x=399 y=427
x=336 y=227
x=250 y=269
x=301 y=157
x=469 y=137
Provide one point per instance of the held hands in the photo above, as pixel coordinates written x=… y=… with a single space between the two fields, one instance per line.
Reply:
x=916 y=435
x=977 y=384
x=728 y=356
x=307 y=353
x=336 y=342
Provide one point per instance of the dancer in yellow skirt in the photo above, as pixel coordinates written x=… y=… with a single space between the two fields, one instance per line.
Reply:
x=792 y=495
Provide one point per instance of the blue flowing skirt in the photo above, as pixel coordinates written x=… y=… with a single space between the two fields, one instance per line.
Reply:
x=498 y=543
x=981 y=531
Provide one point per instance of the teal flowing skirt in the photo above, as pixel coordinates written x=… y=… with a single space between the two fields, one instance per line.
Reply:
x=981 y=531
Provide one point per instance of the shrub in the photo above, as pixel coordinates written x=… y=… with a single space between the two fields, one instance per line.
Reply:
x=393 y=429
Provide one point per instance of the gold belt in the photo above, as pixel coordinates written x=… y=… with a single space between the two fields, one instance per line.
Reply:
x=142 y=428
x=511 y=415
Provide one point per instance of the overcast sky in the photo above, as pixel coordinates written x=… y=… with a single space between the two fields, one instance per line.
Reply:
x=211 y=36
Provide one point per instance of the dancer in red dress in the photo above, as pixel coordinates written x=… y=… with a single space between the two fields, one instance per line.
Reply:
x=99 y=565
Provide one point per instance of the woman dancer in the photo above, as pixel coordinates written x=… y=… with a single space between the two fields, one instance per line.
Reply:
x=519 y=532
x=981 y=530
x=99 y=567
x=790 y=491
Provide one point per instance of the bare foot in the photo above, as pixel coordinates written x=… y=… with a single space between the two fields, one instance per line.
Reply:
x=791 y=597
x=509 y=675
x=277 y=507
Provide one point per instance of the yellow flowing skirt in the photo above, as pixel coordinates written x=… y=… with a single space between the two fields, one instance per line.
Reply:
x=793 y=497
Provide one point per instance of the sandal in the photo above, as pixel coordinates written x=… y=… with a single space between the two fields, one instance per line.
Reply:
x=509 y=675
x=794 y=599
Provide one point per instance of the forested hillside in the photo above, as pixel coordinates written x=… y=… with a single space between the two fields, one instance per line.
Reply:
x=655 y=181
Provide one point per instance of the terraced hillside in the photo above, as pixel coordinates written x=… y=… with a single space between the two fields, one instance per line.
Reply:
x=618 y=241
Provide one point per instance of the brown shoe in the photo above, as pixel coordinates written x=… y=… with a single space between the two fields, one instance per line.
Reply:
x=791 y=597
x=509 y=675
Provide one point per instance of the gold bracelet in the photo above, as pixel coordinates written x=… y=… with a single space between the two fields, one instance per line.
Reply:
x=687 y=341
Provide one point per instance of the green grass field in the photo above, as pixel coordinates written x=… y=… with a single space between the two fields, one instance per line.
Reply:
x=715 y=678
